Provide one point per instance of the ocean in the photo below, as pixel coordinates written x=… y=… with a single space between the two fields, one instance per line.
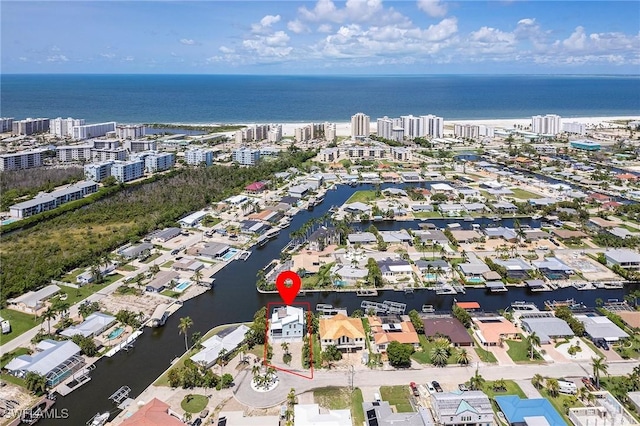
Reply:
x=245 y=99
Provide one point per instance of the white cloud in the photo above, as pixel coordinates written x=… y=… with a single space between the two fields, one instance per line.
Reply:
x=357 y=11
x=225 y=49
x=23 y=59
x=265 y=23
x=325 y=28
x=296 y=26
x=129 y=58
x=187 y=41
x=272 y=46
x=108 y=55
x=433 y=8
x=57 y=58
x=577 y=40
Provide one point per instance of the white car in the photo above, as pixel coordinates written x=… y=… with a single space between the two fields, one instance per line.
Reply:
x=431 y=388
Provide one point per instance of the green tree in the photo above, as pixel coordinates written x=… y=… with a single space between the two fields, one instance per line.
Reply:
x=331 y=353
x=258 y=329
x=184 y=326
x=476 y=381
x=416 y=321
x=533 y=341
x=197 y=277
x=462 y=315
x=599 y=365
x=553 y=387
x=36 y=383
x=86 y=344
x=439 y=356
x=399 y=354
x=462 y=357
x=47 y=316
x=374 y=276
x=537 y=380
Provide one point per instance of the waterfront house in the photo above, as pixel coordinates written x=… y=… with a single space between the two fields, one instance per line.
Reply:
x=453 y=209
x=380 y=413
x=253 y=227
x=213 y=250
x=506 y=234
x=315 y=181
x=535 y=234
x=395 y=268
x=154 y=413
x=546 y=326
x=516 y=268
x=349 y=274
x=433 y=236
x=474 y=207
x=392 y=328
x=528 y=412
x=410 y=177
x=464 y=236
x=417 y=208
x=600 y=223
x=310 y=415
x=470 y=408
x=397 y=237
x=162 y=281
x=187 y=265
x=542 y=202
x=491 y=330
x=448 y=327
x=133 y=252
x=323 y=237
x=601 y=328
x=505 y=207
x=287 y=324
x=32 y=301
x=299 y=191
x=164 y=235
x=624 y=258
x=553 y=268
x=343 y=332
x=55 y=360
x=362 y=238
x=442 y=188
x=95 y=324
x=426 y=266
x=228 y=341
x=473 y=268
x=357 y=208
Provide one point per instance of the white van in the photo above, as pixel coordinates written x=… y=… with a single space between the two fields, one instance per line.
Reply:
x=566 y=387
x=376 y=397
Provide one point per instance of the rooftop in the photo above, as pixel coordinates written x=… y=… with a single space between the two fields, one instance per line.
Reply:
x=516 y=409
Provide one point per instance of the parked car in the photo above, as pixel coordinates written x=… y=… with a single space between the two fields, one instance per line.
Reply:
x=174 y=252
x=197 y=422
x=414 y=389
x=430 y=388
x=463 y=387
x=437 y=386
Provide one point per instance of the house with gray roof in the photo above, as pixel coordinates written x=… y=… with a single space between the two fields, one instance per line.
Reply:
x=166 y=234
x=432 y=236
x=451 y=209
x=546 y=326
x=162 y=281
x=213 y=250
x=506 y=234
x=357 y=207
x=401 y=236
x=136 y=251
x=227 y=340
x=56 y=360
x=95 y=324
x=379 y=413
x=553 y=268
x=395 y=267
x=516 y=268
x=362 y=238
x=505 y=207
x=88 y=276
x=601 y=328
x=474 y=207
x=624 y=258
x=395 y=191
x=348 y=273
x=425 y=265
x=470 y=408
x=32 y=301
x=474 y=267
x=422 y=207
x=542 y=202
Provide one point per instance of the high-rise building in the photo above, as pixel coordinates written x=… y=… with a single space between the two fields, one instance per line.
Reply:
x=109 y=154
x=433 y=125
x=69 y=153
x=330 y=132
x=129 y=131
x=303 y=134
x=63 y=127
x=360 y=126
x=140 y=145
x=21 y=160
x=549 y=124
x=158 y=162
x=246 y=156
x=275 y=133
x=384 y=127
x=92 y=130
x=575 y=127
x=125 y=171
x=413 y=127
x=29 y=126
x=98 y=171
x=6 y=124
x=196 y=157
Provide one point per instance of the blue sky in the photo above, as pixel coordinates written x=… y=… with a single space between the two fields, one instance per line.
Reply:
x=321 y=37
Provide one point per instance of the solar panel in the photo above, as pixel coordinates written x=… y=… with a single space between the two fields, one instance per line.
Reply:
x=372 y=419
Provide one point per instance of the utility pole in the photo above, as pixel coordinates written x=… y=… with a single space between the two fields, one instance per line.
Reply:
x=351 y=373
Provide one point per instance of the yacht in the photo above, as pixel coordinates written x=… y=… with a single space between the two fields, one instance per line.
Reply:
x=428 y=309
x=99 y=419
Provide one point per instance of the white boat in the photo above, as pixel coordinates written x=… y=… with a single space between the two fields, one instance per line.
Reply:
x=453 y=225
x=99 y=419
x=536 y=217
x=428 y=309
x=272 y=233
x=469 y=219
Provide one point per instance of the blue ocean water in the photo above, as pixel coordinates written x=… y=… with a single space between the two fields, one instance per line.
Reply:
x=237 y=99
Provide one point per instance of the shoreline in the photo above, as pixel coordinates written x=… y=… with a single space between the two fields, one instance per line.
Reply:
x=343 y=128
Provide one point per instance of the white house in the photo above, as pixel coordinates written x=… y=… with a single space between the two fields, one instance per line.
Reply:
x=95 y=324
x=216 y=344
x=625 y=258
x=471 y=408
x=287 y=323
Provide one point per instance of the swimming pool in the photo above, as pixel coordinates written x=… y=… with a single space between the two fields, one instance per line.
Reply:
x=228 y=255
x=115 y=333
x=182 y=286
x=8 y=221
x=475 y=280
x=430 y=277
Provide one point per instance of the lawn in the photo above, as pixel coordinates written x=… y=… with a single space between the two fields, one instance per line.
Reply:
x=194 y=403
x=364 y=196
x=519 y=352
x=71 y=276
x=127 y=268
x=20 y=322
x=333 y=398
x=630 y=348
x=426 y=214
x=151 y=258
x=357 y=412
x=170 y=293
x=512 y=389
x=484 y=355
x=167 y=264
x=74 y=295
x=399 y=396
x=561 y=403
x=524 y=195
x=6 y=358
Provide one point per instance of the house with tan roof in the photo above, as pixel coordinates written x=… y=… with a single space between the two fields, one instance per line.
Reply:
x=342 y=332
x=491 y=330
x=154 y=412
x=392 y=329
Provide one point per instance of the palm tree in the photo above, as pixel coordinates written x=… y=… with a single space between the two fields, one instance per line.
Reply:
x=533 y=341
x=222 y=358
x=499 y=384
x=185 y=324
x=476 y=381
x=285 y=347
x=138 y=280
x=197 y=276
x=462 y=357
x=36 y=383
x=255 y=370
x=599 y=366
x=537 y=380
x=553 y=387
x=439 y=356
x=48 y=315
x=154 y=269
x=582 y=393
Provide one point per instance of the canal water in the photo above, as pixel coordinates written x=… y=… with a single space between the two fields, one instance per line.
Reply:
x=235 y=299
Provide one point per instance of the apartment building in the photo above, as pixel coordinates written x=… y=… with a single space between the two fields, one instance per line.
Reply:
x=370 y=152
x=68 y=153
x=575 y=127
x=432 y=126
x=6 y=124
x=134 y=145
x=550 y=124
x=47 y=201
x=196 y=157
x=98 y=171
x=109 y=154
x=29 y=126
x=158 y=162
x=129 y=131
x=360 y=126
x=246 y=156
x=21 y=160
x=106 y=143
x=63 y=127
x=92 y=130
x=275 y=133
x=125 y=171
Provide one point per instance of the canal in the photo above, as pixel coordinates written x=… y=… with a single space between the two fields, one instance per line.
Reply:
x=235 y=299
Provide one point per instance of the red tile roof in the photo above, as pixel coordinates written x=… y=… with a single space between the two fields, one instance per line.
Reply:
x=255 y=186
x=468 y=305
x=153 y=413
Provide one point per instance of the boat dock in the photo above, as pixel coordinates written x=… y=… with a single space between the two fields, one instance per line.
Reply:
x=121 y=397
x=244 y=255
x=325 y=310
x=126 y=345
x=386 y=307
x=78 y=379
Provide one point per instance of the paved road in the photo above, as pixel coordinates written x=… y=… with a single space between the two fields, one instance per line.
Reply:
x=448 y=377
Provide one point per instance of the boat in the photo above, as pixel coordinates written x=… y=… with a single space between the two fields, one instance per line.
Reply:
x=319 y=199
x=523 y=306
x=99 y=419
x=366 y=292
x=428 y=309
x=469 y=219
x=333 y=209
x=262 y=240
x=272 y=233
x=245 y=255
x=536 y=217
x=453 y=225
x=496 y=218
x=321 y=306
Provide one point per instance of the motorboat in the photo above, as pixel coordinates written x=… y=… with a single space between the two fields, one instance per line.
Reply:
x=99 y=419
